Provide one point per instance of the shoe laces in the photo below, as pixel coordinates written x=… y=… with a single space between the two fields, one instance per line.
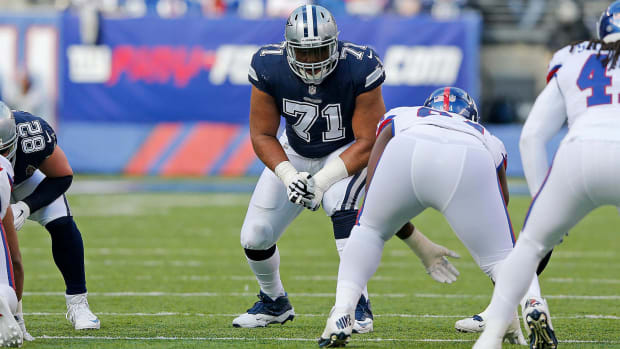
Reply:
x=76 y=305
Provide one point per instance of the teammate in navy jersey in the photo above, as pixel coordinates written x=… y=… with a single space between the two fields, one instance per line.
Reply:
x=329 y=93
x=42 y=176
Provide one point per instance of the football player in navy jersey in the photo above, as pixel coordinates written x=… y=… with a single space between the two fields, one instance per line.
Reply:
x=42 y=176
x=329 y=93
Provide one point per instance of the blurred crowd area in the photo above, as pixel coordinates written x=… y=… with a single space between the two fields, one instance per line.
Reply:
x=250 y=8
x=518 y=37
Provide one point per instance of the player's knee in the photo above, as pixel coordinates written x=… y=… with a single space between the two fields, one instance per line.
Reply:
x=343 y=222
x=257 y=235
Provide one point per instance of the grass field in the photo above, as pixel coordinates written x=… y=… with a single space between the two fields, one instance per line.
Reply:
x=167 y=270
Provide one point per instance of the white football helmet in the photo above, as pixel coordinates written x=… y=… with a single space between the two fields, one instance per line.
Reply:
x=8 y=133
x=311 y=43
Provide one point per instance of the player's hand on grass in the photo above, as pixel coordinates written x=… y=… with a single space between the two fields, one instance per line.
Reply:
x=433 y=257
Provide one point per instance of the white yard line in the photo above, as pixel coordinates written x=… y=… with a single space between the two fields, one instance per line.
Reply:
x=316 y=295
x=427 y=340
x=414 y=316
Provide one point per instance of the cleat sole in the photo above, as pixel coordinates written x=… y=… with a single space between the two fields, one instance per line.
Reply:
x=335 y=340
x=541 y=335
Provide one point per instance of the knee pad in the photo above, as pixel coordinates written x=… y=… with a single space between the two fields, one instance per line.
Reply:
x=343 y=222
x=260 y=255
x=8 y=293
x=257 y=235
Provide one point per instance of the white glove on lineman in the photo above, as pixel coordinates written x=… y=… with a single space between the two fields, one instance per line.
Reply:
x=331 y=173
x=433 y=257
x=296 y=183
x=21 y=212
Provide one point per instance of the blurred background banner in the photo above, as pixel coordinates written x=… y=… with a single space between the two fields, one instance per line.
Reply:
x=149 y=69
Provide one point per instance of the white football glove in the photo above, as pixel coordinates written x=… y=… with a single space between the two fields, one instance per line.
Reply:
x=21 y=212
x=298 y=191
x=434 y=259
x=296 y=183
x=314 y=202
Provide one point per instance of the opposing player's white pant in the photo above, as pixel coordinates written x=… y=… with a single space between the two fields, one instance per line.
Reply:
x=583 y=176
x=450 y=171
x=270 y=211
x=6 y=268
x=58 y=208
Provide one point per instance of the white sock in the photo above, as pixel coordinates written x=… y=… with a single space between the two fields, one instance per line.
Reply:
x=358 y=263
x=340 y=244
x=513 y=280
x=268 y=275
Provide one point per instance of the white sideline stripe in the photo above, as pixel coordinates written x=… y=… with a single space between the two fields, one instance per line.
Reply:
x=416 y=316
x=291 y=339
x=316 y=295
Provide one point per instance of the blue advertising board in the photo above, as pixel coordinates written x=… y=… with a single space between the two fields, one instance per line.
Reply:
x=149 y=70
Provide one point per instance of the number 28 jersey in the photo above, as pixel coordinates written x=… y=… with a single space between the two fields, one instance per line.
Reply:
x=318 y=117
x=36 y=141
x=590 y=89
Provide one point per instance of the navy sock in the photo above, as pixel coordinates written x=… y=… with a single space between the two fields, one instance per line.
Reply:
x=343 y=222
x=68 y=252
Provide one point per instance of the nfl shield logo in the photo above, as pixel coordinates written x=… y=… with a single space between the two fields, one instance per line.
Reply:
x=312 y=89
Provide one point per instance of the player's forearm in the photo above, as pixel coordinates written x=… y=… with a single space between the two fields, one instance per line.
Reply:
x=268 y=150
x=356 y=156
x=47 y=191
x=16 y=257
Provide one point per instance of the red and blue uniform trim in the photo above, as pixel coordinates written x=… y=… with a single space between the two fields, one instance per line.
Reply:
x=553 y=72
x=7 y=256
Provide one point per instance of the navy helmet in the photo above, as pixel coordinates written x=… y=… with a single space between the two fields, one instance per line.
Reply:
x=609 y=23
x=453 y=100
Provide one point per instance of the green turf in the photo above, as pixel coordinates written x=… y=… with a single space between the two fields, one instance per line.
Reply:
x=183 y=243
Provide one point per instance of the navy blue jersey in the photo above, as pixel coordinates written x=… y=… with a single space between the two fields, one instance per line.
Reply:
x=36 y=141
x=318 y=117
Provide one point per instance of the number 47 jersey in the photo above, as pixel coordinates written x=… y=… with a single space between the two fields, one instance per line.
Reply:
x=590 y=90
x=318 y=117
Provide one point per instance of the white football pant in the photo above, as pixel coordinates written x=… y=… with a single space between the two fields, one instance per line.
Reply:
x=58 y=208
x=270 y=211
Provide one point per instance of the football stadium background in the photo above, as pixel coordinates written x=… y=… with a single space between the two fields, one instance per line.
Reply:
x=150 y=100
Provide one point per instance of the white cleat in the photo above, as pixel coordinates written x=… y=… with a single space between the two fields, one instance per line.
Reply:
x=338 y=329
x=536 y=316
x=513 y=334
x=10 y=334
x=79 y=314
x=22 y=326
x=472 y=324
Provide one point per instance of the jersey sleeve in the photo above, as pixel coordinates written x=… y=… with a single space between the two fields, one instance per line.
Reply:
x=498 y=151
x=368 y=70
x=557 y=61
x=6 y=185
x=257 y=74
x=50 y=140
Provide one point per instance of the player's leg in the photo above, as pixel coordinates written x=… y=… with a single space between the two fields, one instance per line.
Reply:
x=67 y=251
x=562 y=201
x=340 y=203
x=390 y=203
x=269 y=213
x=477 y=214
x=10 y=332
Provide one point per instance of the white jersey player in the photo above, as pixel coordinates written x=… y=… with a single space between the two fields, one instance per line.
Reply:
x=10 y=332
x=583 y=88
x=438 y=156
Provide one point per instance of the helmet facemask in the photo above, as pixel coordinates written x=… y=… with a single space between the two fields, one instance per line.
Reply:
x=311 y=43
x=313 y=62
x=11 y=147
